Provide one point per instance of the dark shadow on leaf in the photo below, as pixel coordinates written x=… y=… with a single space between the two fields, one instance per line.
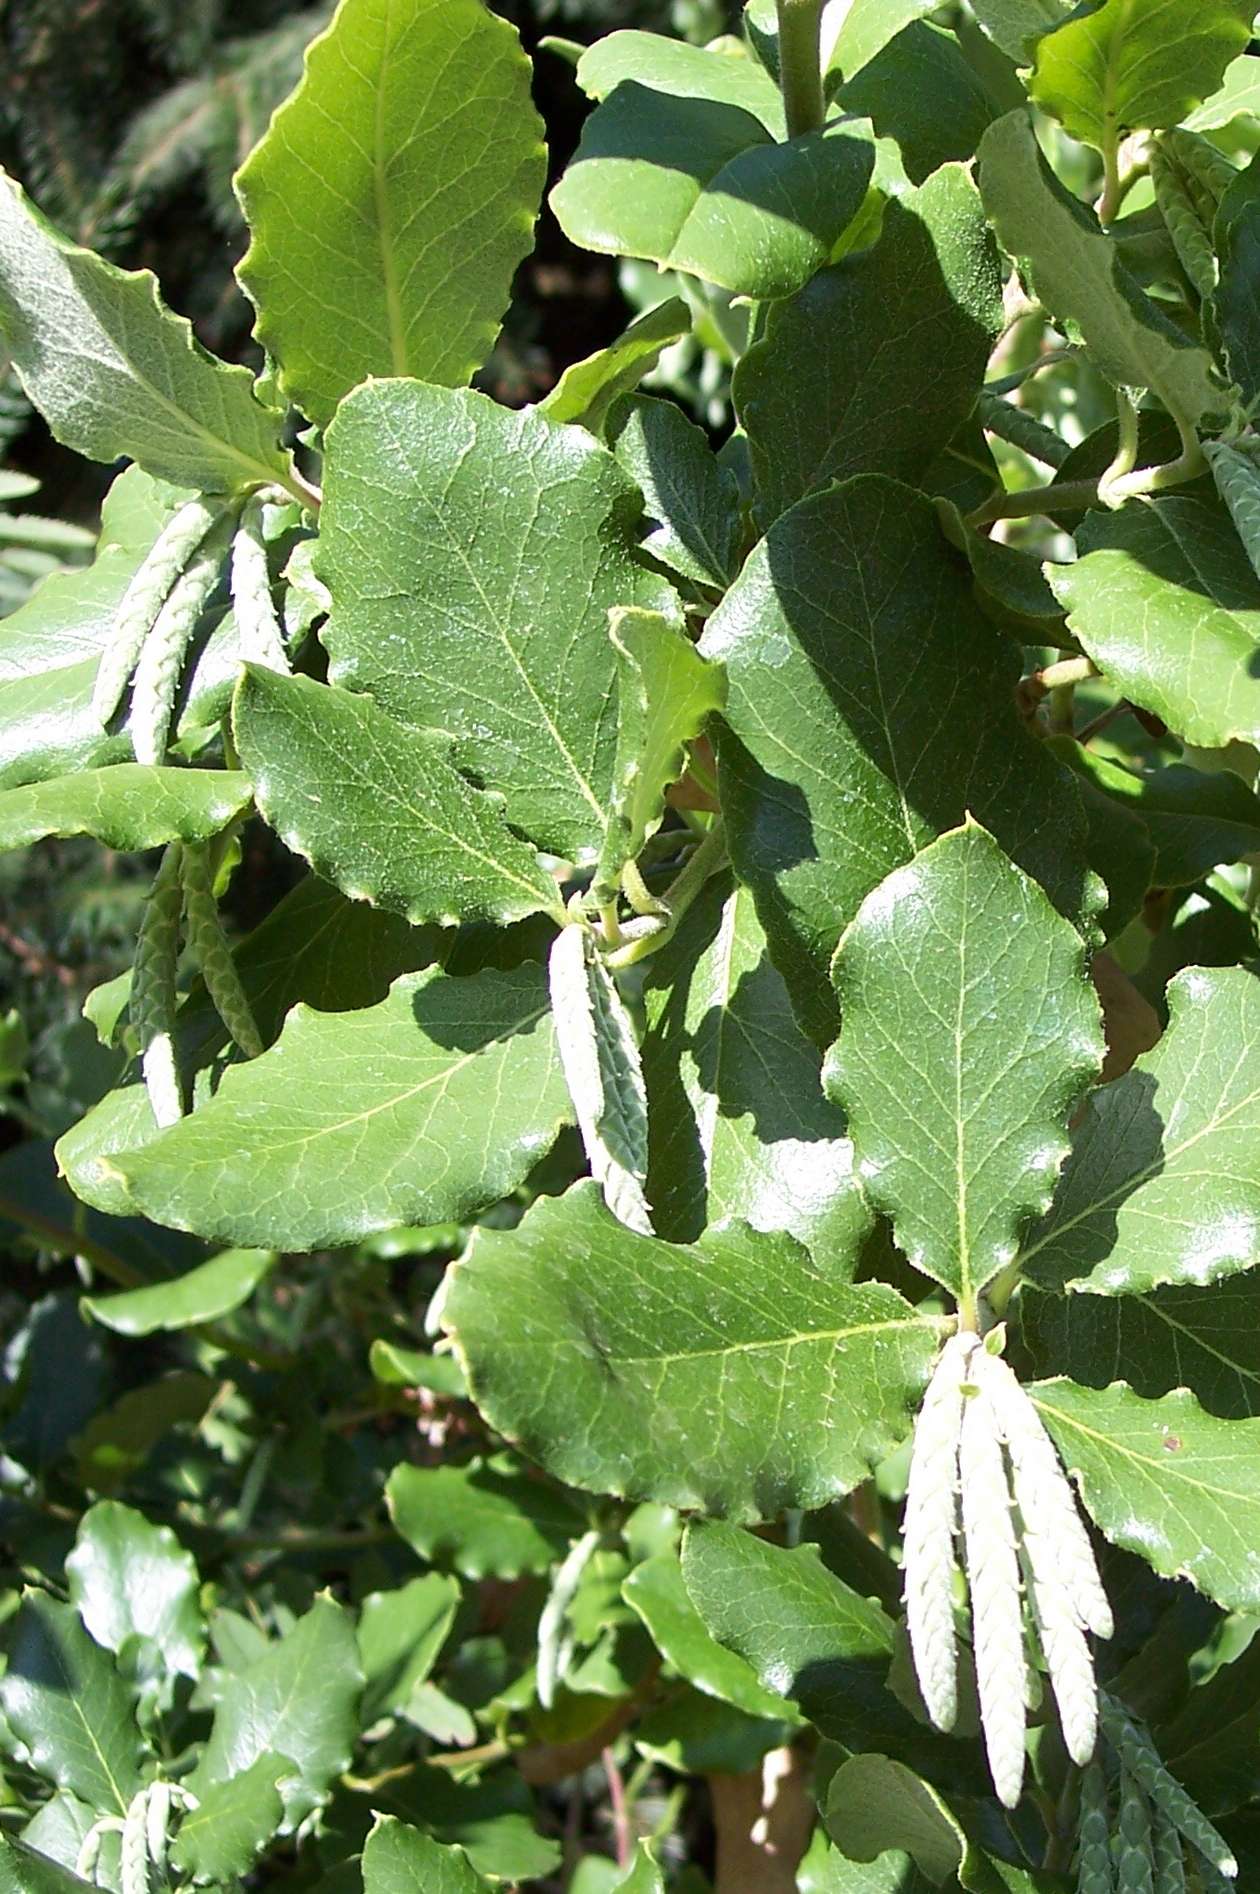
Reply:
x=1124 y=1116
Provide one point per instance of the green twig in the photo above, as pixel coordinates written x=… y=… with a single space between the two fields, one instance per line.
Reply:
x=677 y=898
x=800 y=73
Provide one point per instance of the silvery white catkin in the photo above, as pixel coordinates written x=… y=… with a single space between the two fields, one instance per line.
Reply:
x=1135 y=1858
x=930 y=1521
x=145 y=597
x=258 y=627
x=134 y=1858
x=153 y=992
x=1046 y=1500
x=1139 y=1755
x=992 y=1560
x=1170 y=1865
x=162 y=658
x=1094 y=1873
x=208 y=945
x=1066 y=1651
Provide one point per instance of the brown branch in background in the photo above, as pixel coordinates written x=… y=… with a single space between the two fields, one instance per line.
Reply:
x=33 y=959
x=623 y=1828
x=763 y=1821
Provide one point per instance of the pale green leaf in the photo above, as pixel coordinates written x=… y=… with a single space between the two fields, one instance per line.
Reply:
x=24 y=1870
x=394 y=253
x=880 y=358
x=1163 y=1185
x=473 y=556
x=130 y=1578
x=400 y=1635
x=115 y=373
x=1237 y=94
x=665 y=694
x=1115 y=67
x=587 y=389
x=740 y=1377
x=867 y=27
x=399 y=1859
x=688 y=493
x=826 y=1871
x=223 y=1836
x=1077 y=273
x=419 y=1110
x=1165 y=601
x=299 y=1699
x=203 y=1294
x=656 y=1591
x=874 y=1804
x=130 y=806
x=378 y=809
x=680 y=71
x=738 y=1125
x=962 y=989
x=1165 y=1480
x=644 y=1875
x=850 y=608
x=1017 y=25
x=485 y=1520
x=64 y=1700
x=699 y=185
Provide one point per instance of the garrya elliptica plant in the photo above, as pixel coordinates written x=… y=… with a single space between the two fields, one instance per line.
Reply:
x=762 y=809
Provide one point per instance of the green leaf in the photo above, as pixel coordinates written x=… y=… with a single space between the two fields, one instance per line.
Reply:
x=378 y=809
x=852 y=601
x=1237 y=95
x=587 y=389
x=203 y=1294
x=878 y=360
x=656 y=1591
x=1178 y=1487
x=485 y=1520
x=637 y=1367
x=398 y=1859
x=396 y=1367
x=299 y=1700
x=677 y=70
x=1077 y=273
x=1017 y=25
x=129 y=1578
x=1163 y=1185
x=1114 y=68
x=875 y=1804
x=699 y=185
x=924 y=93
x=826 y=1871
x=128 y=807
x=687 y=491
x=1195 y=818
x=1234 y=314
x=665 y=694
x=961 y=988
x=223 y=1836
x=1164 y=599
x=400 y=1635
x=394 y=254
x=599 y=1054
x=866 y=29
x=66 y=1703
x=644 y=1876
x=1207 y=1340
x=115 y=373
x=119 y=1439
x=738 y=1125
x=1213 y=1743
x=1121 y=852
x=25 y=1870
x=473 y=556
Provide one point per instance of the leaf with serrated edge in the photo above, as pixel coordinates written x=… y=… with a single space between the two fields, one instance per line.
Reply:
x=223 y=1836
x=399 y=1859
x=400 y=1635
x=378 y=809
x=393 y=255
x=878 y=359
x=473 y=556
x=587 y=389
x=419 y=1110
x=128 y=1578
x=127 y=807
x=740 y=1377
x=1119 y=68
x=1178 y=1487
x=1165 y=601
x=115 y=373
x=1078 y=275
x=1163 y=1185
x=852 y=604
x=485 y=1521
x=65 y=1701
x=962 y=989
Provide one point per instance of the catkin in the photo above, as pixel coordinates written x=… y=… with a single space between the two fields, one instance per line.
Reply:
x=1135 y=1859
x=161 y=660
x=1237 y=478
x=134 y=1859
x=931 y=1516
x=1184 y=222
x=1207 y=170
x=992 y=1562
x=1170 y=1865
x=1143 y=1761
x=144 y=598
x=1094 y=1873
x=153 y=992
x=208 y=945
x=257 y=626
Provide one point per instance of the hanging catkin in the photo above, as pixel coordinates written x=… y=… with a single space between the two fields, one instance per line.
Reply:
x=257 y=625
x=153 y=992
x=1094 y=1871
x=931 y=1519
x=144 y=598
x=1143 y=1761
x=1132 y=1842
x=162 y=658
x=208 y=946
x=992 y=1560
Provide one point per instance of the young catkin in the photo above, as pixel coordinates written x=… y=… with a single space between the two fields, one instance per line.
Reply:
x=992 y=1562
x=1191 y=239
x=134 y=1857
x=161 y=660
x=931 y=1519
x=1170 y=1863
x=153 y=992
x=257 y=625
x=1134 y=1851
x=209 y=948
x=144 y=599
x=1143 y=1761
x=1207 y=171
x=1094 y=1873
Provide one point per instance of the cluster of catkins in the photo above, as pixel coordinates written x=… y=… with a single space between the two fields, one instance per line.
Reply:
x=162 y=606
x=1139 y=1832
